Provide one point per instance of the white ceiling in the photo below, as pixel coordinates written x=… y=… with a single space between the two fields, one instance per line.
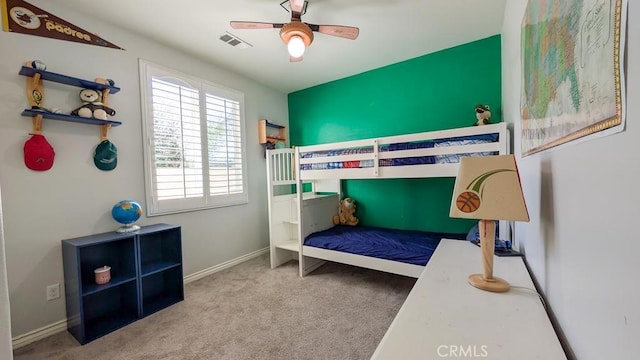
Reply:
x=390 y=31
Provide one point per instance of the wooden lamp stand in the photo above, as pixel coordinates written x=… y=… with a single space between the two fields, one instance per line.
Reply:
x=487 y=281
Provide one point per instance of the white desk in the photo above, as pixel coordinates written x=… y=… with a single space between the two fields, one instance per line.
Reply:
x=446 y=318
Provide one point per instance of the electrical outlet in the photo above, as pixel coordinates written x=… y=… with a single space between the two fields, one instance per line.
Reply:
x=53 y=292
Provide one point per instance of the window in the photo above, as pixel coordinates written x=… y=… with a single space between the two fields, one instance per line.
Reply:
x=194 y=142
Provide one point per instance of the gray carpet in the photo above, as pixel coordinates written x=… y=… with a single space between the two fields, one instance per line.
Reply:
x=252 y=312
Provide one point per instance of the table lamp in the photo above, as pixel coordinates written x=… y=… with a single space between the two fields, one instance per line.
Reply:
x=488 y=188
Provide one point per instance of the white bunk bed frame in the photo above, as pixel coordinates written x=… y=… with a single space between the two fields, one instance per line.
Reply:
x=290 y=224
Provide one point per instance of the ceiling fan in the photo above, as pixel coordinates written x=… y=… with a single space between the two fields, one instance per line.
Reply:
x=297 y=34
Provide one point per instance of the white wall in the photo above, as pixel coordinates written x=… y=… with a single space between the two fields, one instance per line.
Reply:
x=582 y=242
x=74 y=198
x=5 y=315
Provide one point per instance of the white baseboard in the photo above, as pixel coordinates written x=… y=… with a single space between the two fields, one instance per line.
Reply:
x=39 y=334
x=227 y=264
x=60 y=326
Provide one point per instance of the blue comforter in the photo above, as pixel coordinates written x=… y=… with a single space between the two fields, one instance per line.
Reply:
x=408 y=246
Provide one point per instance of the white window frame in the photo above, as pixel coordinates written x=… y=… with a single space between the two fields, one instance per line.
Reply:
x=155 y=207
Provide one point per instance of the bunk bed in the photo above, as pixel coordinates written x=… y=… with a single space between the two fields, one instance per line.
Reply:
x=296 y=218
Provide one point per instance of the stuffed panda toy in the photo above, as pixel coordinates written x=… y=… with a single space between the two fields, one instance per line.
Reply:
x=92 y=105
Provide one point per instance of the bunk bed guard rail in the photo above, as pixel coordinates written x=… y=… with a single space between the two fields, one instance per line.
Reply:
x=426 y=154
x=281 y=166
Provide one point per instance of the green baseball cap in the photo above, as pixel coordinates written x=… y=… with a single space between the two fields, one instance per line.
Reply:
x=106 y=156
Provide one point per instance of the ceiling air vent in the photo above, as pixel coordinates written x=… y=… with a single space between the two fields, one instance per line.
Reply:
x=234 y=41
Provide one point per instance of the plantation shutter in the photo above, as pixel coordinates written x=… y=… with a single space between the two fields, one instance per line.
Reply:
x=225 y=146
x=194 y=142
x=177 y=141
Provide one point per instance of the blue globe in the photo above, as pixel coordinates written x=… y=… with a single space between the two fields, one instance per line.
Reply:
x=126 y=212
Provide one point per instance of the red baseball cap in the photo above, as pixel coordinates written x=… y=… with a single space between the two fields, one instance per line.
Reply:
x=38 y=153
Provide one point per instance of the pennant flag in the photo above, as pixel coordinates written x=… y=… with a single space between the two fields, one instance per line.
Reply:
x=21 y=17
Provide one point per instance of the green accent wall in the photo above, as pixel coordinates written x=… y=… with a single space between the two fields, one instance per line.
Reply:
x=432 y=92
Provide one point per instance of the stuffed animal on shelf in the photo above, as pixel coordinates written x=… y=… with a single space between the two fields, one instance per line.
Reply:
x=92 y=105
x=483 y=114
x=345 y=213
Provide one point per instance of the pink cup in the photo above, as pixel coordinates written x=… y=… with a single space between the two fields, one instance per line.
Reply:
x=103 y=275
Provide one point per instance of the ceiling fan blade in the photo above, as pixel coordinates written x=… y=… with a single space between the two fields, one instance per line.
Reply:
x=347 y=32
x=296 y=6
x=295 y=59
x=254 y=25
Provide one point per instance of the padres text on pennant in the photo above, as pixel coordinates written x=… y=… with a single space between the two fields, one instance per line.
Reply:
x=21 y=17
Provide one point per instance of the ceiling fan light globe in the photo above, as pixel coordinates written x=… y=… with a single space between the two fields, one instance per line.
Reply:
x=296 y=46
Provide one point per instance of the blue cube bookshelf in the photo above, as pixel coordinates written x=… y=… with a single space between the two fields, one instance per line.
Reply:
x=146 y=276
x=160 y=268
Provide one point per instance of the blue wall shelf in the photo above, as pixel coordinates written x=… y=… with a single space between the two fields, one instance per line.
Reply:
x=35 y=88
x=68 y=80
x=71 y=118
x=264 y=135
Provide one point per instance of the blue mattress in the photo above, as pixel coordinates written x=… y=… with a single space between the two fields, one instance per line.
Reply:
x=408 y=246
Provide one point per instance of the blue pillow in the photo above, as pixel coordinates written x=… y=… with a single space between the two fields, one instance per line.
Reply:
x=474 y=233
x=474 y=236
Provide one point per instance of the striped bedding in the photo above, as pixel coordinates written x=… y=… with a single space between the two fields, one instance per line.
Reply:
x=421 y=160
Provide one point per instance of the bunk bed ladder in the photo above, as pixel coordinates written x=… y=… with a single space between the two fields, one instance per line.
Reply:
x=282 y=209
x=308 y=264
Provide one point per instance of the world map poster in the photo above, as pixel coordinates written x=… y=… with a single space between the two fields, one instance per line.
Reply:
x=572 y=71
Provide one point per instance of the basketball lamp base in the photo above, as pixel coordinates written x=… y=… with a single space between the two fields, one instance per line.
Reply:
x=128 y=228
x=495 y=284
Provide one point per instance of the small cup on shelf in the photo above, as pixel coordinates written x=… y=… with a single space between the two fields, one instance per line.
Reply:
x=103 y=275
